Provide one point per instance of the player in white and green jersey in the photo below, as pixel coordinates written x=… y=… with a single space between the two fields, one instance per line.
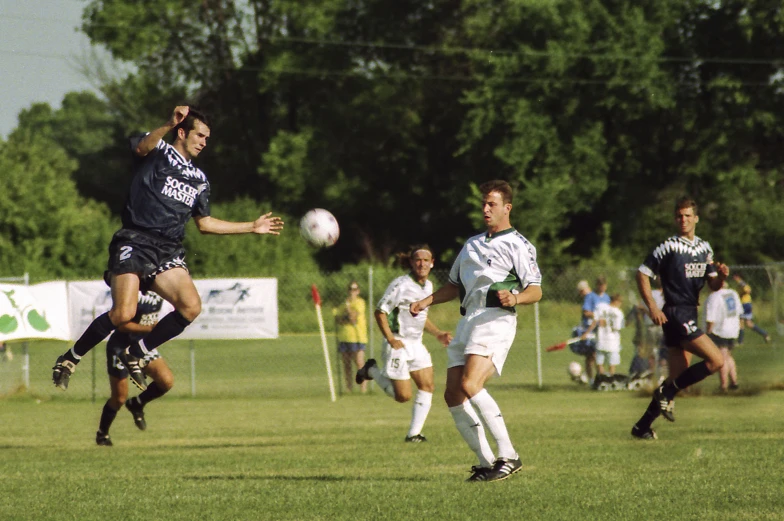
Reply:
x=405 y=357
x=493 y=273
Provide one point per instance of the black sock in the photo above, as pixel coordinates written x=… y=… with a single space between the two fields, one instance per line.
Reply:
x=690 y=376
x=107 y=417
x=651 y=413
x=152 y=392
x=169 y=327
x=95 y=332
x=740 y=336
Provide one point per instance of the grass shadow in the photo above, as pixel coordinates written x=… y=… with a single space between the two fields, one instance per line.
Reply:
x=321 y=478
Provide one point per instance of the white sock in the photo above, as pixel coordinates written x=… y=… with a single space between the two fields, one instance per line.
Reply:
x=384 y=382
x=419 y=411
x=470 y=427
x=494 y=421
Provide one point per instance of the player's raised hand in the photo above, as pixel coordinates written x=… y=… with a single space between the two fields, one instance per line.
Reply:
x=445 y=337
x=268 y=224
x=179 y=114
x=722 y=269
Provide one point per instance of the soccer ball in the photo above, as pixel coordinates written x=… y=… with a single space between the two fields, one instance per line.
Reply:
x=319 y=228
x=575 y=370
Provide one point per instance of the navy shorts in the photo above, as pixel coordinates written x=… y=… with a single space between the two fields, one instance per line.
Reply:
x=747 y=314
x=729 y=343
x=585 y=347
x=133 y=251
x=351 y=347
x=681 y=325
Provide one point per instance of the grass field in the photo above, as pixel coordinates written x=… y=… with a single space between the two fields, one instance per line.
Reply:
x=262 y=440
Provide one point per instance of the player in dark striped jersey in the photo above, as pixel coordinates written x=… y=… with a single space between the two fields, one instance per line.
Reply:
x=147 y=313
x=684 y=262
x=147 y=253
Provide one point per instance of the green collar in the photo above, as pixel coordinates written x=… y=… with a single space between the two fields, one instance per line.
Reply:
x=411 y=275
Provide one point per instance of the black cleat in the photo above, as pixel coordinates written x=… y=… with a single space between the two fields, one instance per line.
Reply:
x=363 y=373
x=649 y=434
x=666 y=405
x=62 y=371
x=479 y=473
x=733 y=387
x=134 y=369
x=418 y=438
x=137 y=411
x=503 y=468
x=103 y=439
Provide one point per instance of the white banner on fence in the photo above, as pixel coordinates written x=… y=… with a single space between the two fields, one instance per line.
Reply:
x=25 y=317
x=231 y=308
x=236 y=309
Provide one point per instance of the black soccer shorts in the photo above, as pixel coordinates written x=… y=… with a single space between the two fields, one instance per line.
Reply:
x=133 y=251
x=681 y=325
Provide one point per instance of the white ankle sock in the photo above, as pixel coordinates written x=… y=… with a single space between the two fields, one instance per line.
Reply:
x=382 y=381
x=419 y=411
x=470 y=427
x=491 y=416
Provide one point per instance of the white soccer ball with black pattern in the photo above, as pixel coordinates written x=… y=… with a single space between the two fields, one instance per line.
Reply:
x=575 y=370
x=319 y=228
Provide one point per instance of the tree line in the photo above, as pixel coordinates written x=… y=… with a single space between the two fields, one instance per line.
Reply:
x=390 y=113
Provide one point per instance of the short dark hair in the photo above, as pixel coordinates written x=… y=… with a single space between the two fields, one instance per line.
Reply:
x=686 y=202
x=601 y=280
x=187 y=124
x=500 y=186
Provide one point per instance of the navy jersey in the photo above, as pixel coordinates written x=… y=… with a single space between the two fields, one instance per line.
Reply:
x=683 y=266
x=166 y=191
x=148 y=308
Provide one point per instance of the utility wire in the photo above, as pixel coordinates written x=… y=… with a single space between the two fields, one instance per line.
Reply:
x=470 y=50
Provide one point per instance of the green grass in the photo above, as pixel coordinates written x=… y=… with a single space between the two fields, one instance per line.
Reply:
x=262 y=440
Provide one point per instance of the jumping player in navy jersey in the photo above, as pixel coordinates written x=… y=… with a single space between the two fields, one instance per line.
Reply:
x=684 y=262
x=147 y=252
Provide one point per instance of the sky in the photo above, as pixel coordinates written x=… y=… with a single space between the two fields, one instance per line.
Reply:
x=40 y=52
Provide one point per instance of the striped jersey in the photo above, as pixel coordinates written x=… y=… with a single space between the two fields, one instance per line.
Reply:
x=166 y=191
x=492 y=262
x=683 y=266
x=395 y=303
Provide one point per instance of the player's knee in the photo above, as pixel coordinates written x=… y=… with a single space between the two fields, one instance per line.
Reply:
x=116 y=402
x=165 y=382
x=453 y=398
x=715 y=364
x=120 y=316
x=190 y=310
x=402 y=397
x=428 y=387
x=470 y=387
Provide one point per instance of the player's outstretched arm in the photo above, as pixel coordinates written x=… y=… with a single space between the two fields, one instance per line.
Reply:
x=443 y=336
x=150 y=141
x=266 y=224
x=445 y=293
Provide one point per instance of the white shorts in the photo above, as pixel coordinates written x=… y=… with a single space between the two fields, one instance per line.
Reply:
x=488 y=332
x=612 y=357
x=399 y=363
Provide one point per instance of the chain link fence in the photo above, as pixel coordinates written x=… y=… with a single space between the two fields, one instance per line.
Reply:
x=267 y=366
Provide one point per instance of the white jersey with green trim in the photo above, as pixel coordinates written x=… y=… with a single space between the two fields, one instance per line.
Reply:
x=492 y=262
x=395 y=302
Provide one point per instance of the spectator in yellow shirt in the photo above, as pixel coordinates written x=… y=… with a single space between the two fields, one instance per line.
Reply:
x=746 y=317
x=352 y=329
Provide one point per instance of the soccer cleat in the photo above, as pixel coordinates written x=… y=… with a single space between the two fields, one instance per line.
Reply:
x=649 y=434
x=417 y=438
x=363 y=373
x=62 y=371
x=666 y=405
x=733 y=387
x=479 y=473
x=135 y=372
x=503 y=468
x=137 y=411
x=103 y=439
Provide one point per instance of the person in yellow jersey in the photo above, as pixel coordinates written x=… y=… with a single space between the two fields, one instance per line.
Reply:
x=351 y=321
x=747 y=316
